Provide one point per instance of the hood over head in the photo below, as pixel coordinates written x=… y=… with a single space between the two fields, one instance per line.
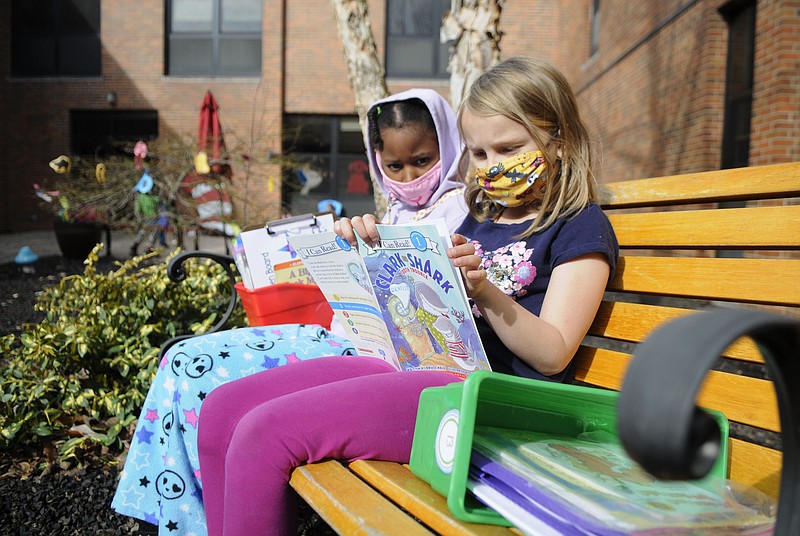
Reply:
x=450 y=148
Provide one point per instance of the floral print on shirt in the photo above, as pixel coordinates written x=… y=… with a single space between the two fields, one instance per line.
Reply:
x=508 y=268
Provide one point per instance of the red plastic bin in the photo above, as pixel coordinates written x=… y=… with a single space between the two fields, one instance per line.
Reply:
x=285 y=303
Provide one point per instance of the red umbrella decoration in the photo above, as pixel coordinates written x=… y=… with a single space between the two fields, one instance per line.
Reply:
x=207 y=182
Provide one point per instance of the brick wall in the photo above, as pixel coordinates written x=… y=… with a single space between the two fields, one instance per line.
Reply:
x=775 y=129
x=652 y=97
x=653 y=103
x=657 y=103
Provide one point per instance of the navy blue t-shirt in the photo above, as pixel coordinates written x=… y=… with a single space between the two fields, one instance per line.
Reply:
x=522 y=269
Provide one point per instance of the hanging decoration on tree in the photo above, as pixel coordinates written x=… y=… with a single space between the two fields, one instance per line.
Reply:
x=46 y=196
x=309 y=178
x=145 y=184
x=201 y=163
x=207 y=183
x=139 y=154
x=61 y=164
x=100 y=173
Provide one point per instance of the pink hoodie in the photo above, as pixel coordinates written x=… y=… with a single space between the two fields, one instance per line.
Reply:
x=448 y=200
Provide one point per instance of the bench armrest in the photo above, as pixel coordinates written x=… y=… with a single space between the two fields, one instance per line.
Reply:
x=177 y=273
x=661 y=427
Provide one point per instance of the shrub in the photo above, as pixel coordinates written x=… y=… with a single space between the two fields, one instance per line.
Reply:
x=79 y=378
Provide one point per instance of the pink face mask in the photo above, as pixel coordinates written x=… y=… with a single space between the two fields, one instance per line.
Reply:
x=417 y=192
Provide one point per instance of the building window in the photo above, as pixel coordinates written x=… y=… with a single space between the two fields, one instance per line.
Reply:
x=413 y=48
x=55 y=38
x=741 y=19
x=333 y=146
x=214 y=37
x=103 y=132
x=595 y=36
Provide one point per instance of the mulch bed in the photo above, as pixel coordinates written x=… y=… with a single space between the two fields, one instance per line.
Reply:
x=37 y=496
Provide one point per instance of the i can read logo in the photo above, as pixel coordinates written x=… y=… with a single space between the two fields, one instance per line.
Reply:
x=418 y=240
x=343 y=244
x=445 y=446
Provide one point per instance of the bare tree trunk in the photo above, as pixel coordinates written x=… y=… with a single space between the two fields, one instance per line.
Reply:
x=472 y=26
x=364 y=71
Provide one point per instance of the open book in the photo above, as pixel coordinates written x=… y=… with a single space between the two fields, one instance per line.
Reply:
x=401 y=300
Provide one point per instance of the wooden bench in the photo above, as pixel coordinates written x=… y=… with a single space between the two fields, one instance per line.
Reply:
x=686 y=244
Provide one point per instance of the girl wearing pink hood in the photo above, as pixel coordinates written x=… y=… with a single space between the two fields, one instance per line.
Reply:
x=413 y=147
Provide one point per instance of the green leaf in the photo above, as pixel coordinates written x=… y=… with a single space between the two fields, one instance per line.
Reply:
x=42 y=429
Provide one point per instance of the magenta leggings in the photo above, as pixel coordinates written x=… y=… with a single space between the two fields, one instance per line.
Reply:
x=255 y=430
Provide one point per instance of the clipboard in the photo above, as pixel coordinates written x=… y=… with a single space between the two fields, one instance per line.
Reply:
x=269 y=256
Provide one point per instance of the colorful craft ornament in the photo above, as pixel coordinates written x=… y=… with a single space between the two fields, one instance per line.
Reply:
x=61 y=164
x=45 y=196
x=139 y=154
x=201 y=163
x=331 y=205
x=309 y=178
x=100 y=173
x=145 y=184
x=64 y=211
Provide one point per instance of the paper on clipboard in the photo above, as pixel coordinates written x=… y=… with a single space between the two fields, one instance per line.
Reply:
x=267 y=249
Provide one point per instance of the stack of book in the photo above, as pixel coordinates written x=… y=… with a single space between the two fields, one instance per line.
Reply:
x=549 y=484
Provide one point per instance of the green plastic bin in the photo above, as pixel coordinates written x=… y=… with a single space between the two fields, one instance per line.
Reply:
x=447 y=417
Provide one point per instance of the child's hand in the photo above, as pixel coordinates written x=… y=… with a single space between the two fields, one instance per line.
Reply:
x=463 y=257
x=364 y=226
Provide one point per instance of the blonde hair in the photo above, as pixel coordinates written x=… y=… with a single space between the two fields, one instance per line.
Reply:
x=536 y=95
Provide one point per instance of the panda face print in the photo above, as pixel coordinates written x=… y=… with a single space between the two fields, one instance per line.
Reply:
x=179 y=361
x=170 y=485
x=261 y=346
x=167 y=423
x=320 y=334
x=199 y=365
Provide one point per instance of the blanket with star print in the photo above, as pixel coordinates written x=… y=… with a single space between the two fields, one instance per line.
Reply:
x=161 y=481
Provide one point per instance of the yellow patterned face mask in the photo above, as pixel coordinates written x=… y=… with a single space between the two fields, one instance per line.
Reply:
x=516 y=181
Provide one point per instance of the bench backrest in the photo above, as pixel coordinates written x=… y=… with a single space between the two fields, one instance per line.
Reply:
x=728 y=238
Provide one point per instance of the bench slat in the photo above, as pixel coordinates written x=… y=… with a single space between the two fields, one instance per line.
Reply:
x=415 y=495
x=347 y=504
x=755 y=465
x=742 y=399
x=766 y=227
x=768 y=281
x=763 y=182
x=633 y=322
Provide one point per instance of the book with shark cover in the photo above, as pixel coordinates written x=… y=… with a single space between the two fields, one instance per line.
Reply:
x=400 y=300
